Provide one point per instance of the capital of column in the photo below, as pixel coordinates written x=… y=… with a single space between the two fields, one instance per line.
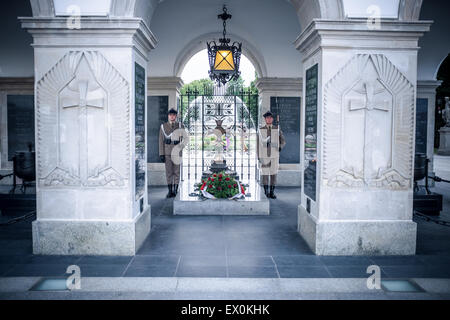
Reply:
x=360 y=34
x=90 y=32
x=17 y=84
x=279 y=85
x=427 y=86
x=165 y=84
x=276 y=87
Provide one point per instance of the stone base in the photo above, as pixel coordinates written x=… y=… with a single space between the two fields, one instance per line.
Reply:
x=248 y=207
x=102 y=238
x=444 y=146
x=371 y=238
x=289 y=178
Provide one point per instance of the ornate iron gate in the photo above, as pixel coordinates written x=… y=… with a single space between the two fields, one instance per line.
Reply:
x=231 y=108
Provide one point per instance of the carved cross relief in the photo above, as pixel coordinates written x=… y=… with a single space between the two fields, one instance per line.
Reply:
x=368 y=121
x=83 y=125
x=368 y=125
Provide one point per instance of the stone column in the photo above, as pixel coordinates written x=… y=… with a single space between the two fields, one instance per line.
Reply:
x=269 y=88
x=166 y=86
x=358 y=142
x=90 y=135
x=444 y=145
x=276 y=87
x=8 y=87
x=444 y=132
x=161 y=87
x=426 y=99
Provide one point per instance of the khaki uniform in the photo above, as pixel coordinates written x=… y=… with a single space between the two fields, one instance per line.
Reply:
x=165 y=149
x=269 y=163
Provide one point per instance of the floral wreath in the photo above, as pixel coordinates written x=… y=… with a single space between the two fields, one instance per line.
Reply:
x=221 y=186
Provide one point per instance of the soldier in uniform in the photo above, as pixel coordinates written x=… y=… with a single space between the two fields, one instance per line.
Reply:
x=168 y=139
x=269 y=162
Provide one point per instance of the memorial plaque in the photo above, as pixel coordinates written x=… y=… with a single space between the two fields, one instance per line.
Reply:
x=158 y=107
x=310 y=165
x=20 y=124
x=421 y=126
x=288 y=108
x=140 y=161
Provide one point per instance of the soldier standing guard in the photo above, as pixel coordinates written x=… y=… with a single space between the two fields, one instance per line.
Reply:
x=268 y=136
x=168 y=139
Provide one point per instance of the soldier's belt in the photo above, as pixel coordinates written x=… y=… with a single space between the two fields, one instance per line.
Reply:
x=170 y=142
x=269 y=144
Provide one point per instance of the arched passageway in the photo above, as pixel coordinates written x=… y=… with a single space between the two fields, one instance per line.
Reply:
x=352 y=188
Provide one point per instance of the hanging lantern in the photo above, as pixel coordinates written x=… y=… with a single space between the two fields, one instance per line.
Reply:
x=224 y=60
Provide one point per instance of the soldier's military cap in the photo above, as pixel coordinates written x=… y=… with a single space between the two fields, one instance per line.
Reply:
x=268 y=114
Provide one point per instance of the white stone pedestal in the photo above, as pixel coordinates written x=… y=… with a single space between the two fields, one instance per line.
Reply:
x=359 y=115
x=444 y=146
x=256 y=205
x=106 y=238
x=342 y=238
x=90 y=91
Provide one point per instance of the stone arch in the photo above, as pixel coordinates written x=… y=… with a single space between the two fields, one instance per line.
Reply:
x=409 y=10
x=119 y=8
x=143 y=9
x=42 y=8
x=124 y=8
x=199 y=44
x=307 y=11
x=446 y=59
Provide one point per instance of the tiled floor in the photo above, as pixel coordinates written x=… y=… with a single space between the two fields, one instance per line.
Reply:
x=235 y=247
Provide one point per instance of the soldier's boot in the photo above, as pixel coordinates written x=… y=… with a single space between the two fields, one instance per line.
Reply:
x=266 y=190
x=175 y=190
x=272 y=192
x=169 y=194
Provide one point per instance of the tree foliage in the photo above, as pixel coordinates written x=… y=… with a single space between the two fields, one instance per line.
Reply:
x=197 y=85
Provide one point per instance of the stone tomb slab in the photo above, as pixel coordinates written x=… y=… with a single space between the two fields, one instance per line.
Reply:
x=255 y=205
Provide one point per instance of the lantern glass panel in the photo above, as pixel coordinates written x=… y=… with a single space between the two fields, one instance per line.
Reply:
x=224 y=61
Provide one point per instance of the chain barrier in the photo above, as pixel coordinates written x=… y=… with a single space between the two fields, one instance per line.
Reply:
x=430 y=219
x=29 y=215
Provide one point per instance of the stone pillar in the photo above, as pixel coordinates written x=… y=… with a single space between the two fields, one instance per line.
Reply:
x=159 y=87
x=90 y=135
x=10 y=87
x=276 y=87
x=358 y=142
x=444 y=133
x=444 y=145
x=426 y=100
x=166 y=86
x=268 y=89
